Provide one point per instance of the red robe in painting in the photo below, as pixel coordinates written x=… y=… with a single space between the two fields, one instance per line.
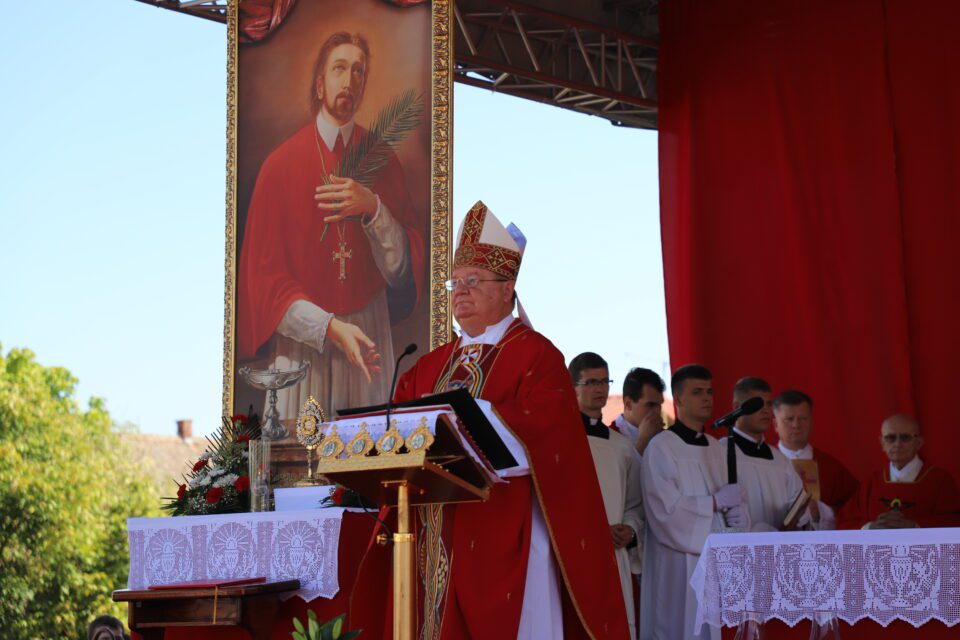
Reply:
x=931 y=500
x=482 y=561
x=283 y=260
x=837 y=485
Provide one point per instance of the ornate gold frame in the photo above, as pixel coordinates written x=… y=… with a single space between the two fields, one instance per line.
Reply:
x=441 y=188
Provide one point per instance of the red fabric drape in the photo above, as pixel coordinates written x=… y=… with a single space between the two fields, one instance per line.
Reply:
x=808 y=174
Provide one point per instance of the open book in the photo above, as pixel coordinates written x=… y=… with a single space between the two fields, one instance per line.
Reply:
x=796 y=511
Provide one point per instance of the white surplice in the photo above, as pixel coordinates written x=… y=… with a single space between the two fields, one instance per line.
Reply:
x=678 y=482
x=618 y=471
x=771 y=486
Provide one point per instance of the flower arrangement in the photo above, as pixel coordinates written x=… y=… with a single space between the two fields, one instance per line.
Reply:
x=219 y=481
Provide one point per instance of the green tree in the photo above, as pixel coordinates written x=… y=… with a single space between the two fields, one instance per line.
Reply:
x=66 y=489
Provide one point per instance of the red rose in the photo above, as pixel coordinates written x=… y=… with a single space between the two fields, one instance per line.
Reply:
x=200 y=464
x=242 y=484
x=214 y=494
x=181 y=491
x=243 y=438
x=337 y=496
x=239 y=418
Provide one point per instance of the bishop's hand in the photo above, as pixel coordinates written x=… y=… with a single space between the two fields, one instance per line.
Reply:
x=892 y=520
x=345 y=198
x=360 y=350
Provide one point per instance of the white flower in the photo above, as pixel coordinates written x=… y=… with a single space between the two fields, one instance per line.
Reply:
x=226 y=480
x=216 y=471
x=206 y=455
x=193 y=483
x=245 y=454
x=204 y=481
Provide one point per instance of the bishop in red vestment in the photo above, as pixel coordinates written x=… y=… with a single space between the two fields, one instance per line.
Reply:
x=319 y=260
x=535 y=561
x=909 y=492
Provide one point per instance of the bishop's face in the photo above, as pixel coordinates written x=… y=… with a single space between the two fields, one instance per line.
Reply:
x=757 y=423
x=478 y=307
x=341 y=85
x=900 y=439
x=794 y=423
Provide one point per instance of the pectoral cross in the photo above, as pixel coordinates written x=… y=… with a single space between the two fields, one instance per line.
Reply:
x=342 y=256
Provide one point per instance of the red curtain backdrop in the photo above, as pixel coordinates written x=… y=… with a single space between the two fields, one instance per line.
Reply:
x=809 y=178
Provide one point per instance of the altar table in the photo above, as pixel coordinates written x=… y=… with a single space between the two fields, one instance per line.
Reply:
x=341 y=556
x=899 y=579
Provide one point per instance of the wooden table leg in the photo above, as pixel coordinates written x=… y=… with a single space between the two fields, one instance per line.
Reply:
x=258 y=616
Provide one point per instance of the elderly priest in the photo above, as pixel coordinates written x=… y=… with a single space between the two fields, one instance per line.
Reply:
x=536 y=560
x=908 y=492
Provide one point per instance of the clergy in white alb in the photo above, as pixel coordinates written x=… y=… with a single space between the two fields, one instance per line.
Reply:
x=769 y=480
x=685 y=498
x=617 y=464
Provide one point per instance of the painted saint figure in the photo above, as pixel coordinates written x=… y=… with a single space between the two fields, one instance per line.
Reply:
x=328 y=264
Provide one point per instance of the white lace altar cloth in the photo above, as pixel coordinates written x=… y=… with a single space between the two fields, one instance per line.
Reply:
x=278 y=545
x=905 y=574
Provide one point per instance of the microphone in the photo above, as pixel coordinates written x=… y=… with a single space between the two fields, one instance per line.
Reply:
x=410 y=348
x=749 y=407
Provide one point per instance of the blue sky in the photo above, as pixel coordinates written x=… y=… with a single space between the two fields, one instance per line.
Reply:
x=112 y=209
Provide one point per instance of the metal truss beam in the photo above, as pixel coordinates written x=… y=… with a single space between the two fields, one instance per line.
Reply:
x=532 y=53
x=215 y=10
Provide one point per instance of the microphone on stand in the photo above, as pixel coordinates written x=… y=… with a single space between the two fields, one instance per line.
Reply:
x=749 y=407
x=410 y=348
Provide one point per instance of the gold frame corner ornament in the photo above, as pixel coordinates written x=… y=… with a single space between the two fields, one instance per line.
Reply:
x=441 y=185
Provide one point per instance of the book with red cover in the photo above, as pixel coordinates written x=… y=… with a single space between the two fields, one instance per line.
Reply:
x=209 y=583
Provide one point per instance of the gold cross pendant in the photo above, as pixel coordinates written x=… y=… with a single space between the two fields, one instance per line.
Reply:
x=342 y=256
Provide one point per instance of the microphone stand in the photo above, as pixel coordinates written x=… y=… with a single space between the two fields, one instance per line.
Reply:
x=410 y=348
x=731 y=457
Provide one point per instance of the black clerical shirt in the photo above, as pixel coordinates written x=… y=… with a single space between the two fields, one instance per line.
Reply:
x=752 y=449
x=688 y=435
x=598 y=430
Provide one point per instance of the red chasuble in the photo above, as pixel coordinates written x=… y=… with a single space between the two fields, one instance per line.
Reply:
x=473 y=557
x=931 y=501
x=283 y=260
x=837 y=485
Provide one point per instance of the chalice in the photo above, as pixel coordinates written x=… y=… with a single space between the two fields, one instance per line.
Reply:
x=272 y=380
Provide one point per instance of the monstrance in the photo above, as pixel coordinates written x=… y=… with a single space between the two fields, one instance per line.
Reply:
x=310 y=418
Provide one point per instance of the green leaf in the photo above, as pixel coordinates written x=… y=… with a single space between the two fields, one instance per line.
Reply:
x=337 y=627
x=313 y=627
x=296 y=635
x=298 y=626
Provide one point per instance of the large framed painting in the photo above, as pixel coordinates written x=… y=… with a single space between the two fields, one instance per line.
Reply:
x=338 y=196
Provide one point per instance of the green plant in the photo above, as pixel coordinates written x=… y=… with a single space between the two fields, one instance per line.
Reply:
x=331 y=630
x=67 y=486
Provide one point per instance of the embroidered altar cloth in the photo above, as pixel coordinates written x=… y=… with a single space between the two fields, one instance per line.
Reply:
x=278 y=545
x=906 y=574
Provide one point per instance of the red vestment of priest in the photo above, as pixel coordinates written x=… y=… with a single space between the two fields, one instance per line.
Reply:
x=931 y=500
x=283 y=260
x=837 y=484
x=473 y=557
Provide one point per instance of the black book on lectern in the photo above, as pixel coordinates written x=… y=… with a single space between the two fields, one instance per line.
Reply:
x=471 y=415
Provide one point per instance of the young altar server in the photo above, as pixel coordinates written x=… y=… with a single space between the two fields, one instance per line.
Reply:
x=769 y=480
x=908 y=492
x=618 y=471
x=685 y=497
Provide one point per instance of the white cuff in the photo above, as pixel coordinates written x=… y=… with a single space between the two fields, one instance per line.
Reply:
x=305 y=322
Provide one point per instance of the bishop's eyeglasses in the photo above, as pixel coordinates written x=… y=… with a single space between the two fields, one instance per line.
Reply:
x=593 y=382
x=470 y=282
x=890 y=438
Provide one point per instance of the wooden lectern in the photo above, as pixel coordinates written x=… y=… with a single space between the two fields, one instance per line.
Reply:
x=435 y=461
